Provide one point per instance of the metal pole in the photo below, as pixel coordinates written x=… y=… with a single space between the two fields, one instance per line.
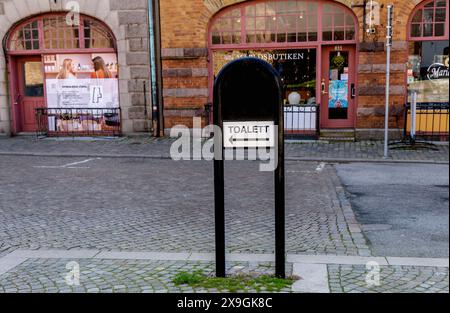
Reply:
x=413 y=116
x=280 y=214
x=388 y=77
x=219 y=187
x=219 y=196
x=156 y=66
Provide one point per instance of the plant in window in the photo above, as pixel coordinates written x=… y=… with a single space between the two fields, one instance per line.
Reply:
x=338 y=61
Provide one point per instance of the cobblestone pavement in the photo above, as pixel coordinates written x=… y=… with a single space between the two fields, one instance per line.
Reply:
x=365 y=150
x=393 y=279
x=149 y=276
x=163 y=205
x=120 y=276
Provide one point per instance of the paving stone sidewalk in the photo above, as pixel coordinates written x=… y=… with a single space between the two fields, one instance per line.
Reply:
x=153 y=147
x=150 y=276
x=121 y=276
x=393 y=279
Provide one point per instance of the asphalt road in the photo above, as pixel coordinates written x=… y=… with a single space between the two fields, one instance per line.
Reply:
x=403 y=209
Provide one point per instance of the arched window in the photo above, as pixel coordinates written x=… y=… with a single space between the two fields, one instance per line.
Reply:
x=430 y=21
x=283 y=22
x=54 y=32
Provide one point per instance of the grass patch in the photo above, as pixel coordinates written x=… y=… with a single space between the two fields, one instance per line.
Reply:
x=235 y=283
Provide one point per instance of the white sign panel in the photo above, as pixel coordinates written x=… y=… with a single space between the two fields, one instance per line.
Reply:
x=249 y=134
x=83 y=93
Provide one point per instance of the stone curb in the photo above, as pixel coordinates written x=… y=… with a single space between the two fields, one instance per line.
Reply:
x=165 y=157
x=232 y=257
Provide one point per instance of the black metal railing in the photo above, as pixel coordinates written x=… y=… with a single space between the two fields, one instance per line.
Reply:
x=62 y=122
x=301 y=121
x=431 y=122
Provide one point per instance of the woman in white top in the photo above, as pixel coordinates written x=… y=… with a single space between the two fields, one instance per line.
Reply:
x=67 y=71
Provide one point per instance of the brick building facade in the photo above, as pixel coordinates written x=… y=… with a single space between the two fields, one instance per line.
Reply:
x=341 y=44
x=127 y=21
x=189 y=47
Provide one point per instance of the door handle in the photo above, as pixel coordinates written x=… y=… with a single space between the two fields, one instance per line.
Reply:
x=353 y=91
x=324 y=92
x=18 y=99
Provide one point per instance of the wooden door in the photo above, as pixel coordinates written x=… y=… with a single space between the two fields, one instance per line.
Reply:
x=338 y=87
x=30 y=91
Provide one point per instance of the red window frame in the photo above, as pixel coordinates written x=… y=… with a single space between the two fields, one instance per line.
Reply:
x=422 y=7
x=43 y=50
x=227 y=13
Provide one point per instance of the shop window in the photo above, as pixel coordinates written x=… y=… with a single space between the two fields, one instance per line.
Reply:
x=428 y=71
x=297 y=68
x=429 y=20
x=283 y=22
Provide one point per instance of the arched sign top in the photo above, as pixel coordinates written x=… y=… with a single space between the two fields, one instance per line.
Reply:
x=248 y=89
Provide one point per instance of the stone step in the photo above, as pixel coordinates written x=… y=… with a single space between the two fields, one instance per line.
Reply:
x=337 y=139
x=337 y=135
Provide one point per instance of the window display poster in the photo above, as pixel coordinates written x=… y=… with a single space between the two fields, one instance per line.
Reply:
x=82 y=88
x=338 y=94
x=82 y=81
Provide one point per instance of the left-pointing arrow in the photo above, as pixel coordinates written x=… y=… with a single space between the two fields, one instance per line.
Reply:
x=233 y=139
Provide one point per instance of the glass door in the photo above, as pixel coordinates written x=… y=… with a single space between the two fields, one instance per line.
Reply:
x=338 y=89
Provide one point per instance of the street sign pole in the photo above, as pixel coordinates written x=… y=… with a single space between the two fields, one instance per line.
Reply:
x=219 y=198
x=280 y=219
x=389 y=35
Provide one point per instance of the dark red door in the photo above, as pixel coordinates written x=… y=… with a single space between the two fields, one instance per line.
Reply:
x=29 y=91
x=338 y=87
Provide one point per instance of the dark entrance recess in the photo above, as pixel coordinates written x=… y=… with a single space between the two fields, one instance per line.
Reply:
x=249 y=90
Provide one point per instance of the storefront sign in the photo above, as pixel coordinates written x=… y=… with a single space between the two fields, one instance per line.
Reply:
x=272 y=56
x=249 y=134
x=437 y=71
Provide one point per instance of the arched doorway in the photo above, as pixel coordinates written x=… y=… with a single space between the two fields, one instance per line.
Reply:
x=311 y=43
x=50 y=60
x=428 y=67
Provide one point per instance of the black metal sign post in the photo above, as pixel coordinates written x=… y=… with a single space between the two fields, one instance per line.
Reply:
x=248 y=96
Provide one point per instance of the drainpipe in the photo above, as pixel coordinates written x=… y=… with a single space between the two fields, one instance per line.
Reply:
x=156 y=67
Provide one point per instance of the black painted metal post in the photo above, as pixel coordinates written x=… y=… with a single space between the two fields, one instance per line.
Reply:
x=219 y=186
x=280 y=235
